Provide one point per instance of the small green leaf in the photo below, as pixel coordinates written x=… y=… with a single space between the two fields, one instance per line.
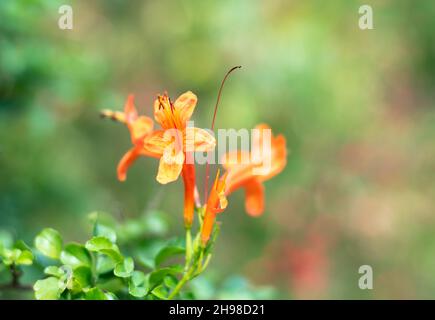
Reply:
x=99 y=243
x=75 y=255
x=104 y=231
x=138 y=292
x=138 y=278
x=170 y=281
x=49 y=243
x=17 y=256
x=138 y=284
x=54 y=271
x=48 y=289
x=125 y=268
x=20 y=244
x=82 y=277
x=10 y=255
x=168 y=252
x=105 y=246
x=160 y=292
x=98 y=294
x=104 y=264
x=157 y=276
x=25 y=258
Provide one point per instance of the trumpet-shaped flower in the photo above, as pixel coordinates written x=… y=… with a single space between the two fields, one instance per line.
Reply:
x=248 y=170
x=139 y=127
x=175 y=144
x=216 y=203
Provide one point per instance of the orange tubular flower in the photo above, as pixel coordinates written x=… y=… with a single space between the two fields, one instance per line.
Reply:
x=139 y=127
x=176 y=143
x=242 y=174
x=216 y=203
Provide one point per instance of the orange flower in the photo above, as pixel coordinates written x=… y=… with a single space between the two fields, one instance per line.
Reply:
x=249 y=170
x=216 y=203
x=242 y=171
x=139 y=127
x=176 y=143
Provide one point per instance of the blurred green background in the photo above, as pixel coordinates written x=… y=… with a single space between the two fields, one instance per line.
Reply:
x=356 y=107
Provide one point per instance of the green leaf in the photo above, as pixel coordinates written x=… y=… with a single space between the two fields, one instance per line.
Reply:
x=48 y=289
x=104 y=225
x=24 y=258
x=125 y=268
x=20 y=244
x=157 y=276
x=10 y=255
x=104 y=264
x=49 y=243
x=82 y=277
x=138 y=292
x=168 y=252
x=98 y=294
x=75 y=255
x=104 y=231
x=160 y=292
x=17 y=256
x=138 y=284
x=105 y=246
x=170 y=281
x=138 y=278
x=54 y=271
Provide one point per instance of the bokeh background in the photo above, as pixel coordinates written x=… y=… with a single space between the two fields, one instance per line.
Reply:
x=357 y=108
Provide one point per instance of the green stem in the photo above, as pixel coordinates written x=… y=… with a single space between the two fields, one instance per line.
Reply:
x=184 y=279
x=188 y=249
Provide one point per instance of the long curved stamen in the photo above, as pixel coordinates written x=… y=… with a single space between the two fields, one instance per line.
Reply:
x=207 y=166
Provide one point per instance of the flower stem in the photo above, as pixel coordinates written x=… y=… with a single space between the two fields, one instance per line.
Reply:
x=184 y=279
x=188 y=249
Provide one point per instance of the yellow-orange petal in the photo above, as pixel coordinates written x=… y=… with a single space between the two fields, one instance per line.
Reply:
x=279 y=158
x=258 y=138
x=156 y=142
x=185 y=105
x=199 y=140
x=170 y=166
x=236 y=158
x=125 y=162
x=130 y=109
x=141 y=127
x=254 y=201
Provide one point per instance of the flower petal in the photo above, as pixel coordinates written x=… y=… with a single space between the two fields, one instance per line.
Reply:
x=279 y=158
x=200 y=140
x=235 y=159
x=185 y=105
x=125 y=162
x=171 y=164
x=157 y=142
x=141 y=127
x=254 y=202
x=130 y=110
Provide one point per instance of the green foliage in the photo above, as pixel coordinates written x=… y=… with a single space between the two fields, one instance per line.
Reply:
x=49 y=243
x=99 y=269
x=106 y=268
